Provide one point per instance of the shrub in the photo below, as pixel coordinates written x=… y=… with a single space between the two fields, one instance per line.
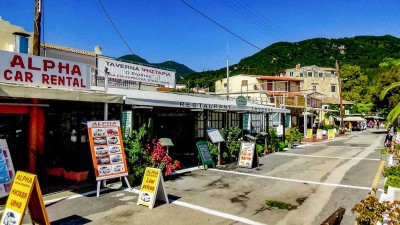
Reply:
x=138 y=157
x=162 y=160
x=393 y=181
x=232 y=137
x=293 y=135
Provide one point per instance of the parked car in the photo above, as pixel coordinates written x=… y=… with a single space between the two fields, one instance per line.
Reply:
x=103 y=160
x=112 y=140
x=145 y=197
x=117 y=158
x=115 y=149
x=100 y=141
x=104 y=170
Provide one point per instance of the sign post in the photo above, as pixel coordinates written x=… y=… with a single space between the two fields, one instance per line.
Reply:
x=108 y=153
x=152 y=188
x=204 y=154
x=25 y=192
x=216 y=137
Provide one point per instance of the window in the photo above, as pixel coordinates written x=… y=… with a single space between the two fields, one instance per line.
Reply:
x=291 y=74
x=320 y=74
x=309 y=74
x=225 y=85
x=244 y=82
x=314 y=88
x=333 y=88
x=301 y=74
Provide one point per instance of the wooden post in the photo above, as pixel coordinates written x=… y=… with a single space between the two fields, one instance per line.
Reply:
x=36 y=27
x=33 y=138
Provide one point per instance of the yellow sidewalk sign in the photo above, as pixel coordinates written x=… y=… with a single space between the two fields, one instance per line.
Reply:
x=309 y=133
x=152 y=188
x=25 y=191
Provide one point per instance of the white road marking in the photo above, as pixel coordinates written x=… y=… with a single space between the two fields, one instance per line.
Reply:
x=206 y=210
x=293 y=180
x=321 y=156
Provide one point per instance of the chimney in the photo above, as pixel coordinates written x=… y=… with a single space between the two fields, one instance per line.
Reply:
x=98 y=50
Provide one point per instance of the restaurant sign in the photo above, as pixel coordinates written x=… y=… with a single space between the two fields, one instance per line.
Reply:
x=17 y=68
x=133 y=72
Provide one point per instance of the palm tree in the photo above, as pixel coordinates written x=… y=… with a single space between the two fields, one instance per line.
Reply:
x=394 y=114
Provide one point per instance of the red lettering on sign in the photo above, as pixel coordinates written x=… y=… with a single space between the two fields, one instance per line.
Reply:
x=17 y=61
x=76 y=70
x=48 y=64
x=61 y=67
x=30 y=66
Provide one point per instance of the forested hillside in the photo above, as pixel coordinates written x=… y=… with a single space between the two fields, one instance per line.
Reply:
x=366 y=52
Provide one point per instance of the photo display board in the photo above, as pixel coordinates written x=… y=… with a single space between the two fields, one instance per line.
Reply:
x=7 y=171
x=246 y=154
x=204 y=153
x=107 y=149
x=215 y=135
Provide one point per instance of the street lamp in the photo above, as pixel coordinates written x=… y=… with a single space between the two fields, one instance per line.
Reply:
x=187 y=83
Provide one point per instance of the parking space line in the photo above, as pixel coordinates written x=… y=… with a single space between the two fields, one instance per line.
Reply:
x=207 y=210
x=321 y=156
x=293 y=180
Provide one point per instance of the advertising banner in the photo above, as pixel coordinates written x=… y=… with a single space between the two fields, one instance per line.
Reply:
x=114 y=69
x=25 y=191
x=309 y=133
x=107 y=149
x=17 y=68
x=331 y=134
x=152 y=188
x=7 y=171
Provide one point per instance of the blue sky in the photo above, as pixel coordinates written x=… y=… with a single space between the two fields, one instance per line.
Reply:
x=159 y=30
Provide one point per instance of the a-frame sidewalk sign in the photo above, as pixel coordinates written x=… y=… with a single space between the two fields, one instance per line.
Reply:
x=25 y=192
x=152 y=188
x=204 y=154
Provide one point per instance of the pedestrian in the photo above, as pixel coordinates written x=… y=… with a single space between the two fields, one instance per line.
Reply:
x=350 y=127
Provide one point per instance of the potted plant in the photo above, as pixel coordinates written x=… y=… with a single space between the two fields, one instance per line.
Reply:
x=293 y=136
x=370 y=210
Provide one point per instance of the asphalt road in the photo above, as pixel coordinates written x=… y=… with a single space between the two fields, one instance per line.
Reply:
x=316 y=179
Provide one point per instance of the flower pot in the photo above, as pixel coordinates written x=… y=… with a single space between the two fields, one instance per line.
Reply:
x=57 y=172
x=76 y=176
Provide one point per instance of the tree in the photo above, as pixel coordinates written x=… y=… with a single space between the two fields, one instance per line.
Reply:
x=354 y=84
x=394 y=114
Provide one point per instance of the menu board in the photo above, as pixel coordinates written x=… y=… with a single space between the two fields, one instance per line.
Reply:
x=246 y=154
x=215 y=135
x=331 y=134
x=319 y=134
x=7 y=171
x=204 y=154
x=107 y=149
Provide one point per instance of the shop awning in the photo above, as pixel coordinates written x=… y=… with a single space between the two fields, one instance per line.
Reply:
x=19 y=91
x=353 y=118
x=174 y=100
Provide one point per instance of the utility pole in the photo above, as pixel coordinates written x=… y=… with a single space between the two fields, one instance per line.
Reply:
x=227 y=72
x=340 y=98
x=36 y=27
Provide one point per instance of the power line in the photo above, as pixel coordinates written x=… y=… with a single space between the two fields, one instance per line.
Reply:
x=115 y=27
x=221 y=26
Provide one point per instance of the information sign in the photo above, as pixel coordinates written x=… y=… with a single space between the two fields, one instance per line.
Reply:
x=246 y=122
x=152 y=188
x=215 y=135
x=246 y=154
x=25 y=191
x=331 y=134
x=319 y=134
x=309 y=133
x=204 y=154
x=7 y=171
x=107 y=149
x=126 y=122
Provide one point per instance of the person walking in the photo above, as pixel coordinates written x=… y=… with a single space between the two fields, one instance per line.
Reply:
x=350 y=127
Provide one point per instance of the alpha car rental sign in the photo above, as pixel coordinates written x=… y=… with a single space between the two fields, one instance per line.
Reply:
x=133 y=72
x=17 y=68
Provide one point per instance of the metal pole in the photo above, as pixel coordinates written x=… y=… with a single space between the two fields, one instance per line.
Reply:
x=340 y=98
x=227 y=71
x=219 y=154
x=305 y=116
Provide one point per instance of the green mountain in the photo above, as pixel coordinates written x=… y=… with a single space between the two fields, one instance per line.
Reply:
x=181 y=70
x=364 y=51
